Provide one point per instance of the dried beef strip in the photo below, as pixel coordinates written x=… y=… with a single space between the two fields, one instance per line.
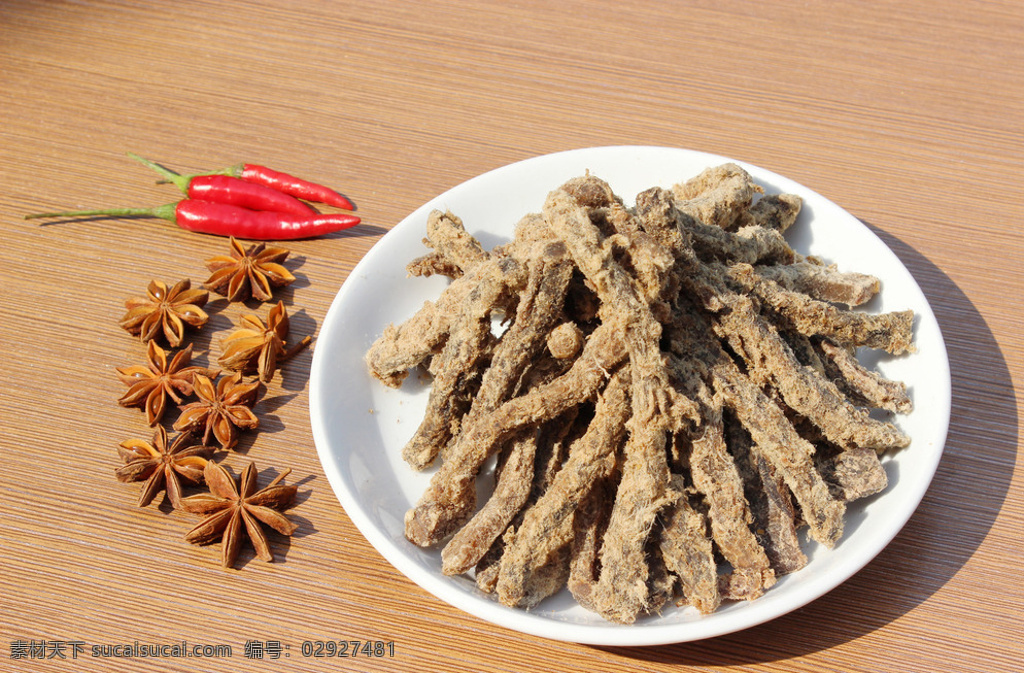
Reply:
x=891 y=331
x=540 y=308
x=771 y=504
x=450 y=498
x=687 y=551
x=825 y=283
x=717 y=196
x=589 y=526
x=513 y=486
x=433 y=263
x=773 y=211
x=591 y=458
x=750 y=244
x=449 y=238
x=410 y=344
x=780 y=444
x=456 y=369
x=810 y=395
x=622 y=592
x=853 y=473
x=715 y=476
x=654 y=401
x=871 y=388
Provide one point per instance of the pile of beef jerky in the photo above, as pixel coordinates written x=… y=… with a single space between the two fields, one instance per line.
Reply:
x=673 y=397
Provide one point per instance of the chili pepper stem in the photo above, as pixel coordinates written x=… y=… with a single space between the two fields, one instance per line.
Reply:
x=179 y=181
x=165 y=212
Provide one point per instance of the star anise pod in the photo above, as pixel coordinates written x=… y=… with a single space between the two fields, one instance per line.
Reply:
x=166 y=311
x=150 y=385
x=162 y=465
x=251 y=271
x=234 y=510
x=221 y=409
x=258 y=348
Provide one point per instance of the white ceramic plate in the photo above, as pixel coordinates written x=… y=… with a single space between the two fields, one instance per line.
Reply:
x=360 y=426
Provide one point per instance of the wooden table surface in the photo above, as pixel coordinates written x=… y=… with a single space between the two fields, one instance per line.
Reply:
x=907 y=114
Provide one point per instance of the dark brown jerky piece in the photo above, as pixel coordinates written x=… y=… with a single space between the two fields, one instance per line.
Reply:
x=451 y=497
x=750 y=244
x=822 y=282
x=715 y=476
x=771 y=503
x=591 y=458
x=718 y=196
x=891 y=331
x=514 y=482
x=687 y=551
x=773 y=211
x=790 y=454
x=433 y=263
x=870 y=388
x=448 y=238
x=590 y=524
x=457 y=368
x=654 y=400
x=811 y=396
x=410 y=344
x=853 y=473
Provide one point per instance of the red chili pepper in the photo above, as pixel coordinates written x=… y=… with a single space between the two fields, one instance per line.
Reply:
x=230 y=190
x=289 y=184
x=227 y=220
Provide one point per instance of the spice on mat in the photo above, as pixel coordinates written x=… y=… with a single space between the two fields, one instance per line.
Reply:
x=230 y=190
x=165 y=311
x=161 y=465
x=233 y=510
x=257 y=347
x=248 y=271
x=222 y=409
x=701 y=373
x=150 y=385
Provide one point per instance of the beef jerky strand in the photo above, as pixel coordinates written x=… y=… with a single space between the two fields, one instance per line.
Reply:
x=853 y=473
x=773 y=211
x=822 y=282
x=870 y=387
x=449 y=238
x=410 y=344
x=890 y=331
x=717 y=196
x=590 y=458
x=714 y=475
x=687 y=551
x=450 y=497
x=622 y=593
x=780 y=444
x=770 y=502
x=457 y=367
x=473 y=540
x=811 y=396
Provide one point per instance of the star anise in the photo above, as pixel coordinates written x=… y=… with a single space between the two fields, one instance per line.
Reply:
x=221 y=409
x=251 y=271
x=232 y=511
x=166 y=311
x=162 y=465
x=150 y=386
x=258 y=348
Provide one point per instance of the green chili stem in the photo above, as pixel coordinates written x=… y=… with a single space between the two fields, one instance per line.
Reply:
x=166 y=212
x=180 y=181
